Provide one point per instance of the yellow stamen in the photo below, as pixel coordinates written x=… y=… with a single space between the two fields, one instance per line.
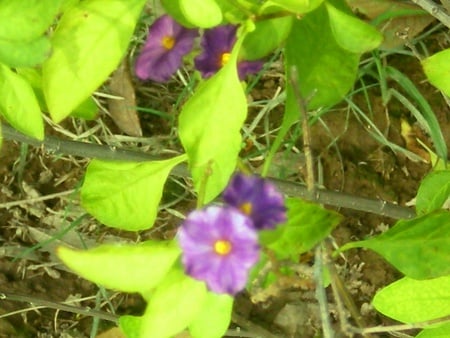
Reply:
x=224 y=59
x=222 y=247
x=246 y=208
x=168 y=42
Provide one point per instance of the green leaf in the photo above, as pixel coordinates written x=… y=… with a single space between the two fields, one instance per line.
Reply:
x=86 y=110
x=307 y=224
x=128 y=268
x=352 y=33
x=326 y=71
x=419 y=248
x=437 y=69
x=125 y=195
x=433 y=192
x=26 y=20
x=297 y=6
x=131 y=326
x=18 y=104
x=442 y=331
x=89 y=43
x=214 y=318
x=24 y=53
x=209 y=128
x=174 y=304
x=273 y=32
x=201 y=13
x=409 y=300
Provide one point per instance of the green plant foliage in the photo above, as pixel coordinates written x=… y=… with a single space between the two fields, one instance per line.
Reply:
x=326 y=71
x=437 y=68
x=209 y=128
x=26 y=20
x=433 y=192
x=18 y=104
x=296 y=6
x=442 y=331
x=173 y=305
x=128 y=268
x=24 y=53
x=89 y=42
x=273 y=32
x=419 y=248
x=408 y=300
x=425 y=115
x=201 y=13
x=214 y=317
x=86 y=110
x=307 y=224
x=352 y=33
x=131 y=326
x=126 y=195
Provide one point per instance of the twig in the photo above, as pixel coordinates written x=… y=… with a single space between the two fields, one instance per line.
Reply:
x=321 y=293
x=341 y=296
x=435 y=10
x=59 y=306
x=36 y=199
x=256 y=330
x=327 y=197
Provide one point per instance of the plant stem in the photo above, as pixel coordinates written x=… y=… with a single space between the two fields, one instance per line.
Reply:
x=332 y=198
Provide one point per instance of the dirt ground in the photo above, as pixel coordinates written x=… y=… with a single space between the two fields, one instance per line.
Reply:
x=33 y=285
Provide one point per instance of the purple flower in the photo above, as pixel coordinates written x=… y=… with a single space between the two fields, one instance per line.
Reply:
x=257 y=198
x=219 y=246
x=217 y=44
x=164 y=49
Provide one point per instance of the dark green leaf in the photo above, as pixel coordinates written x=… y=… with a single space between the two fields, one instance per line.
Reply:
x=307 y=225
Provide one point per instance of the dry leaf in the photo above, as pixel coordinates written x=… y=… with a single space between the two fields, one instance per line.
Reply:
x=123 y=111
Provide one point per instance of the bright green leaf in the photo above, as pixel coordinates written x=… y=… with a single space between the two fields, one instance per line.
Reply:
x=86 y=110
x=214 y=318
x=409 y=300
x=89 y=42
x=209 y=128
x=1 y=136
x=173 y=305
x=433 y=192
x=352 y=33
x=437 y=69
x=125 y=195
x=419 y=248
x=442 y=331
x=273 y=32
x=26 y=20
x=307 y=224
x=128 y=268
x=18 y=104
x=297 y=6
x=130 y=326
x=24 y=53
x=201 y=13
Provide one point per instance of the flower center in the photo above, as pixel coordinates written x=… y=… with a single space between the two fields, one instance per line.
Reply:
x=225 y=57
x=246 y=208
x=222 y=247
x=168 y=42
